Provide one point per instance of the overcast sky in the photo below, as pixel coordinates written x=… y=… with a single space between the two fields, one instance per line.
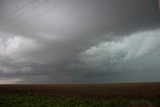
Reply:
x=79 y=41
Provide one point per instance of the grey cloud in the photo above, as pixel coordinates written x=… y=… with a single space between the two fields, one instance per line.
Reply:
x=49 y=49
x=134 y=54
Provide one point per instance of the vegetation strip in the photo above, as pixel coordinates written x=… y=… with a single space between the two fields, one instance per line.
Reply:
x=39 y=101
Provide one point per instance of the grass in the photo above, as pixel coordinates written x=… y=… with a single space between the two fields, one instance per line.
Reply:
x=39 y=101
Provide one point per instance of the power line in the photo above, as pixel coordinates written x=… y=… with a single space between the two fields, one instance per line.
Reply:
x=29 y=3
x=25 y=12
x=61 y=5
x=61 y=2
x=65 y=3
x=31 y=19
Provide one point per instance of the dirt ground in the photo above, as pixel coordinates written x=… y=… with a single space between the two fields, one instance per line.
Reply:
x=100 y=91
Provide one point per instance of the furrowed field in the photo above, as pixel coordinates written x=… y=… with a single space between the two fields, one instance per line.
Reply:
x=81 y=95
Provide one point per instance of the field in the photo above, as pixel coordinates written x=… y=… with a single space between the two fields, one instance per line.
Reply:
x=81 y=95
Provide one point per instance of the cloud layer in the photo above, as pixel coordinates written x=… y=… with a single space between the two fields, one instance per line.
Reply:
x=137 y=54
x=134 y=48
x=88 y=41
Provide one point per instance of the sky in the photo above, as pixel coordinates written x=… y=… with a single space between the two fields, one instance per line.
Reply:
x=79 y=41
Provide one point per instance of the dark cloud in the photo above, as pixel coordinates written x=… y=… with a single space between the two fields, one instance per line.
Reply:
x=86 y=41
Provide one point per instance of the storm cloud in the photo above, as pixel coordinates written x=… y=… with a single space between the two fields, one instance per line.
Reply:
x=79 y=41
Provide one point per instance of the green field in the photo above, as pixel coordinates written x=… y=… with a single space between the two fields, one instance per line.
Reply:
x=39 y=101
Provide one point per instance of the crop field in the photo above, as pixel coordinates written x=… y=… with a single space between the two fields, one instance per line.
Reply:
x=81 y=95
